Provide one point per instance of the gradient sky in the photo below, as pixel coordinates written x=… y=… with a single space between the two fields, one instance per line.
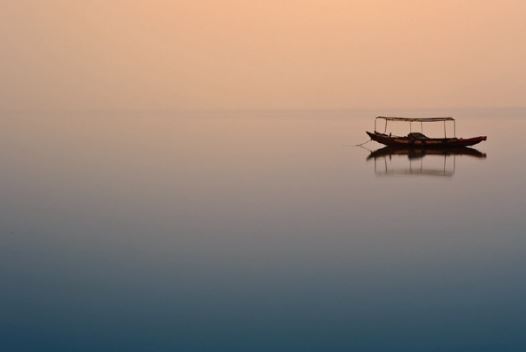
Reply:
x=238 y=54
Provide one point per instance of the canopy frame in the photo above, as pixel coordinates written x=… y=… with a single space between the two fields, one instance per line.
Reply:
x=418 y=119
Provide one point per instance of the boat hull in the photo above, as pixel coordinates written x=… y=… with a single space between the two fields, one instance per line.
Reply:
x=424 y=143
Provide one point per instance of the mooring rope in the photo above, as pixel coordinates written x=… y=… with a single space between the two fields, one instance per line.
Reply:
x=361 y=144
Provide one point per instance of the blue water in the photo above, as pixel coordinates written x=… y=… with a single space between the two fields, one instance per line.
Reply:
x=253 y=231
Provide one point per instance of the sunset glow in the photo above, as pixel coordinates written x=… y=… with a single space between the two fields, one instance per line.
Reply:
x=275 y=54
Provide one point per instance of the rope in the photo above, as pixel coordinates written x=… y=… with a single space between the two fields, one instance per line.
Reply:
x=361 y=144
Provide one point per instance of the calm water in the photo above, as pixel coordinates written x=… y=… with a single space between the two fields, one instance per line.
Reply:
x=257 y=232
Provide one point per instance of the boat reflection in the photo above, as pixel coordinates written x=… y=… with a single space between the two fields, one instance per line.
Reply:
x=440 y=162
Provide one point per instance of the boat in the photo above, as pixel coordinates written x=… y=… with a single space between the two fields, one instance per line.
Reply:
x=419 y=139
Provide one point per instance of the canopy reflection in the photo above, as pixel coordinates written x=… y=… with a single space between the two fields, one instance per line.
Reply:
x=443 y=165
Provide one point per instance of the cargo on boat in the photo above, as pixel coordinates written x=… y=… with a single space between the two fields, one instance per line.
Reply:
x=418 y=139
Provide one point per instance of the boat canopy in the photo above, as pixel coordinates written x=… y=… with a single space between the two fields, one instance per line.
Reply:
x=415 y=119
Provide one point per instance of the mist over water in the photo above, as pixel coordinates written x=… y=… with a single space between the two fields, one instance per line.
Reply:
x=183 y=176
x=255 y=231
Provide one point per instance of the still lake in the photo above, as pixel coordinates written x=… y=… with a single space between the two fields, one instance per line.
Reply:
x=258 y=231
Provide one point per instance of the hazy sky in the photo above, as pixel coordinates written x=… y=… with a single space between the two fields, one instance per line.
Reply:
x=243 y=54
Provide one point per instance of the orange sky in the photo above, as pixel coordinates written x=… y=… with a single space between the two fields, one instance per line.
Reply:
x=238 y=54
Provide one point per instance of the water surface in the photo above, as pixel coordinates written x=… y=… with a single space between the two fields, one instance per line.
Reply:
x=257 y=231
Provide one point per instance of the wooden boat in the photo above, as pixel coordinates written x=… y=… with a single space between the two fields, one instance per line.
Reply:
x=418 y=139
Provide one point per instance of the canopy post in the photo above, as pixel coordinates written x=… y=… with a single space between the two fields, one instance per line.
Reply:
x=385 y=128
x=410 y=126
x=445 y=133
x=421 y=127
x=455 y=129
x=376 y=119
